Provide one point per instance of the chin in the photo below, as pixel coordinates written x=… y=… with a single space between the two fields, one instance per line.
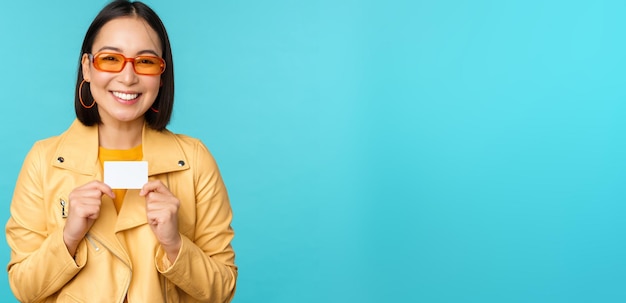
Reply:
x=126 y=117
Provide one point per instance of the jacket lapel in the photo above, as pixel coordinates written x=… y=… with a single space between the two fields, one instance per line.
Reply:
x=164 y=155
x=78 y=150
x=133 y=211
x=78 y=153
x=163 y=152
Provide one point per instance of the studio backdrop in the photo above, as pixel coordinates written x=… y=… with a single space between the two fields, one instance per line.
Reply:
x=378 y=151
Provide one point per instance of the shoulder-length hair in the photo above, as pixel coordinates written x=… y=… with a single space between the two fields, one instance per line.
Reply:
x=164 y=102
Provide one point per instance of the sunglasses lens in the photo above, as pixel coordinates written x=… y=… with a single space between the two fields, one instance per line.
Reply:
x=144 y=65
x=148 y=65
x=109 y=62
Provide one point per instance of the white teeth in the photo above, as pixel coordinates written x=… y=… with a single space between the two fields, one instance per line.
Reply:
x=125 y=96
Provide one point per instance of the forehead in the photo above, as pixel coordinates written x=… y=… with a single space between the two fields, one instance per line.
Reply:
x=131 y=35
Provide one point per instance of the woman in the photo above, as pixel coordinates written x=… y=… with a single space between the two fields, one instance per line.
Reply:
x=75 y=239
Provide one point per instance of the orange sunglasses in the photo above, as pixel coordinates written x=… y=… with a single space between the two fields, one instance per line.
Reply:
x=114 y=63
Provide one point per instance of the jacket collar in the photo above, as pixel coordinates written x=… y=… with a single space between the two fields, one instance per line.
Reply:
x=78 y=150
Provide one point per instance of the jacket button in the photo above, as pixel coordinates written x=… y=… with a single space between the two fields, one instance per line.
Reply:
x=60 y=159
x=181 y=163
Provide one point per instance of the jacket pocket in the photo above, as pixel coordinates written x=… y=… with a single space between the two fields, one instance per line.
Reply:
x=64 y=207
x=58 y=210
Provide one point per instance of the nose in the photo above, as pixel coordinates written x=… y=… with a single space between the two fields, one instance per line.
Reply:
x=128 y=75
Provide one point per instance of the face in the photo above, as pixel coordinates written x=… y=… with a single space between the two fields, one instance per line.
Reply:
x=125 y=96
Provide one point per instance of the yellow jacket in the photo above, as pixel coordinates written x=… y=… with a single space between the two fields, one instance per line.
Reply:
x=120 y=256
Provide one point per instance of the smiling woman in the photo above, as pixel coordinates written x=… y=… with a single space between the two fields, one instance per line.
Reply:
x=72 y=236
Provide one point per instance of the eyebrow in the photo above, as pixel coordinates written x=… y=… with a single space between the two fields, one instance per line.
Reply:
x=115 y=49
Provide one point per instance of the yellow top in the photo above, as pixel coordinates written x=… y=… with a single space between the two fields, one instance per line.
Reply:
x=133 y=154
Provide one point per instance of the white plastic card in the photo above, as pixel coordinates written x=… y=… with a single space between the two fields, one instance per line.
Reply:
x=126 y=174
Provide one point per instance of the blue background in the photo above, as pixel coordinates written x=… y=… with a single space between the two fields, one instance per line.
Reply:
x=379 y=151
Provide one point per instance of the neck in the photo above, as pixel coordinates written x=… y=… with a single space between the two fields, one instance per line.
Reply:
x=120 y=135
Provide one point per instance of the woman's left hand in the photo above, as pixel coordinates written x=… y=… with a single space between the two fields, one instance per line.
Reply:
x=162 y=212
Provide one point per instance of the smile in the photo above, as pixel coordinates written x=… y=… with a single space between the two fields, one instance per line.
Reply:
x=125 y=96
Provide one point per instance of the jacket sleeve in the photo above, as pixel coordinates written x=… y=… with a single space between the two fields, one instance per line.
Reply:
x=205 y=267
x=40 y=264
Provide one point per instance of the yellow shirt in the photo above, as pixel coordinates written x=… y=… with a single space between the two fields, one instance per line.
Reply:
x=133 y=154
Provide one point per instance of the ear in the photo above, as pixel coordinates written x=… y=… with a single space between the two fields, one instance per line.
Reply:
x=86 y=66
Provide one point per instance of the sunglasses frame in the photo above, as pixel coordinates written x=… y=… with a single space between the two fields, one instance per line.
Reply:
x=92 y=57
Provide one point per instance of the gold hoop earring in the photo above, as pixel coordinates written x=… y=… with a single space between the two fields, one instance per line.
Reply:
x=80 y=96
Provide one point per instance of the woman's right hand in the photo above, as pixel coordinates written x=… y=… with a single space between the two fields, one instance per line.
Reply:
x=84 y=209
